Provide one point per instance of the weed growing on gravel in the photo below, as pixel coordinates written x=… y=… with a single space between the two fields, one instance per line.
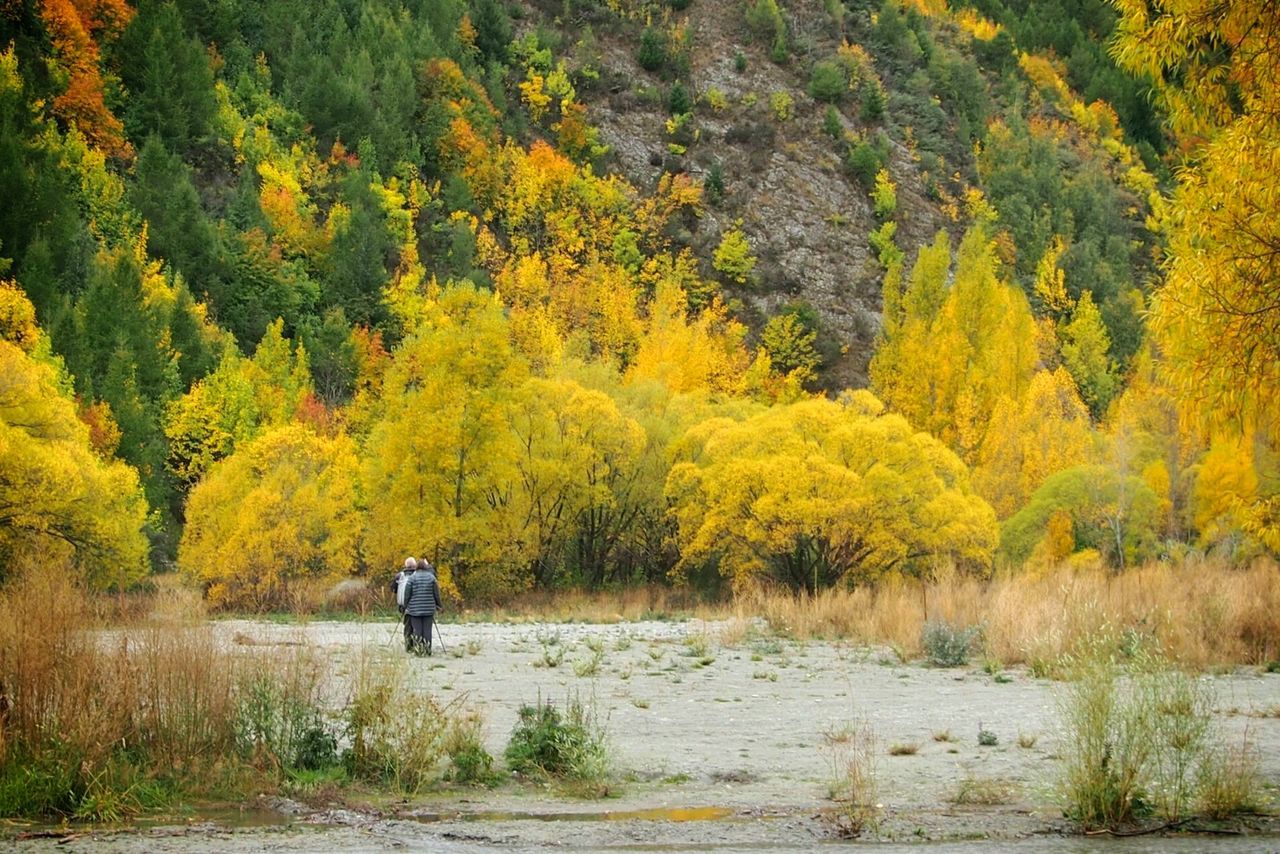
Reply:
x=850 y=750
x=982 y=791
x=909 y=748
x=1027 y=740
x=589 y=665
x=469 y=761
x=570 y=747
x=396 y=734
x=947 y=645
x=943 y=735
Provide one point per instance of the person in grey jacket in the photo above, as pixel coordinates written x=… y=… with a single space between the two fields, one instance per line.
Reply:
x=421 y=601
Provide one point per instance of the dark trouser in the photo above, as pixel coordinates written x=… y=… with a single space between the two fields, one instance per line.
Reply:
x=408 y=630
x=420 y=634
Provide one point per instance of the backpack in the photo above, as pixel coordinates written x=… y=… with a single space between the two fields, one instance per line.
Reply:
x=402 y=581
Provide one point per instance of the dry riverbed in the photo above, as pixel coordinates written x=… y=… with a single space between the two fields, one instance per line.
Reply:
x=725 y=740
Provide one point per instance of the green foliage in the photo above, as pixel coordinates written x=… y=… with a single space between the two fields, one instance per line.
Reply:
x=652 y=54
x=397 y=735
x=679 y=100
x=1085 y=352
x=568 y=745
x=866 y=157
x=831 y=124
x=1116 y=514
x=828 y=81
x=1142 y=740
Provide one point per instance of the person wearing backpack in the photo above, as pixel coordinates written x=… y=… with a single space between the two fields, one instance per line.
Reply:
x=421 y=601
x=398 y=585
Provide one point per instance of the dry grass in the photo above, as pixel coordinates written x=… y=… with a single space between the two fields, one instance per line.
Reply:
x=1200 y=613
x=581 y=606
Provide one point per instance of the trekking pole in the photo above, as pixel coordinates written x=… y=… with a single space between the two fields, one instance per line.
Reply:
x=436 y=623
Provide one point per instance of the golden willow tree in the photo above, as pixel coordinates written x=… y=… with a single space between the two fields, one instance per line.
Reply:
x=1216 y=64
x=61 y=498
x=819 y=493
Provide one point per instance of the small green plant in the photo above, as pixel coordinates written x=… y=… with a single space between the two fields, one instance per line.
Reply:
x=590 y=665
x=469 y=761
x=986 y=737
x=715 y=99
x=568 y=746
x=946 y=645
x=678 y=99
x=739 y=62
x=909 y=748
x=395 y=733
x=831 y=124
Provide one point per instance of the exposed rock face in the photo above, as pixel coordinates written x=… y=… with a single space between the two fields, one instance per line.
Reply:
x=806 y=219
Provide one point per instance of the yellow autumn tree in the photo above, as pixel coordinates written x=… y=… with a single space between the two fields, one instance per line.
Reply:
x=439 y=454
x=819 y=493
x=959 y=349
x=1216 y=67
x=59 y=500
x=281 y=510
x=1027 y=440
x=577 y=459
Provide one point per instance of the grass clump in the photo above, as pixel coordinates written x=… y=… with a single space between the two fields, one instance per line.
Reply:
x=982 y=791
x=850 y=751
x=568 y=746
x=470 y=763
x=1142 y=743
x=948 y=645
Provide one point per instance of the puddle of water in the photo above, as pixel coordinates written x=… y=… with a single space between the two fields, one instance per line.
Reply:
x=229 y=817
x=678 y=814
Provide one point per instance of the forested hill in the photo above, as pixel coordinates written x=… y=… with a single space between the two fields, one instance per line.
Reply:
x=592 y=291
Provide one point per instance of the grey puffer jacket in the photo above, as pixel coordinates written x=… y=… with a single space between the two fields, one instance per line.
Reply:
x=422 y=594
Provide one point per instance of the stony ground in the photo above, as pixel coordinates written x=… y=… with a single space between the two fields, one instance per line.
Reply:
x=725 y=739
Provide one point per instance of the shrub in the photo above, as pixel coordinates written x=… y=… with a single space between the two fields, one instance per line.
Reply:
x=946 y=645
x=873 y=99
x=828 y=81
x=739 y=62
x=782 y=105
x=279 y=719
x=1140 y=739
x=678 y=100
x=570 y=746
x=884 y=198
x=831 y=124
x=865 y=160
x=469 y=761
x=715 y=98
x=733 y=258
x=713 y=186
x=396 y=734
x=653 y=50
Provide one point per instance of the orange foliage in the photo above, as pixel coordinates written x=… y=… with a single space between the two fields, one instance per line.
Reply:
x=72 y=26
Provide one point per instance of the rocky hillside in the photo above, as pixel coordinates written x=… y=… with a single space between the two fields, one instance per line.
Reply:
x=785 y=149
